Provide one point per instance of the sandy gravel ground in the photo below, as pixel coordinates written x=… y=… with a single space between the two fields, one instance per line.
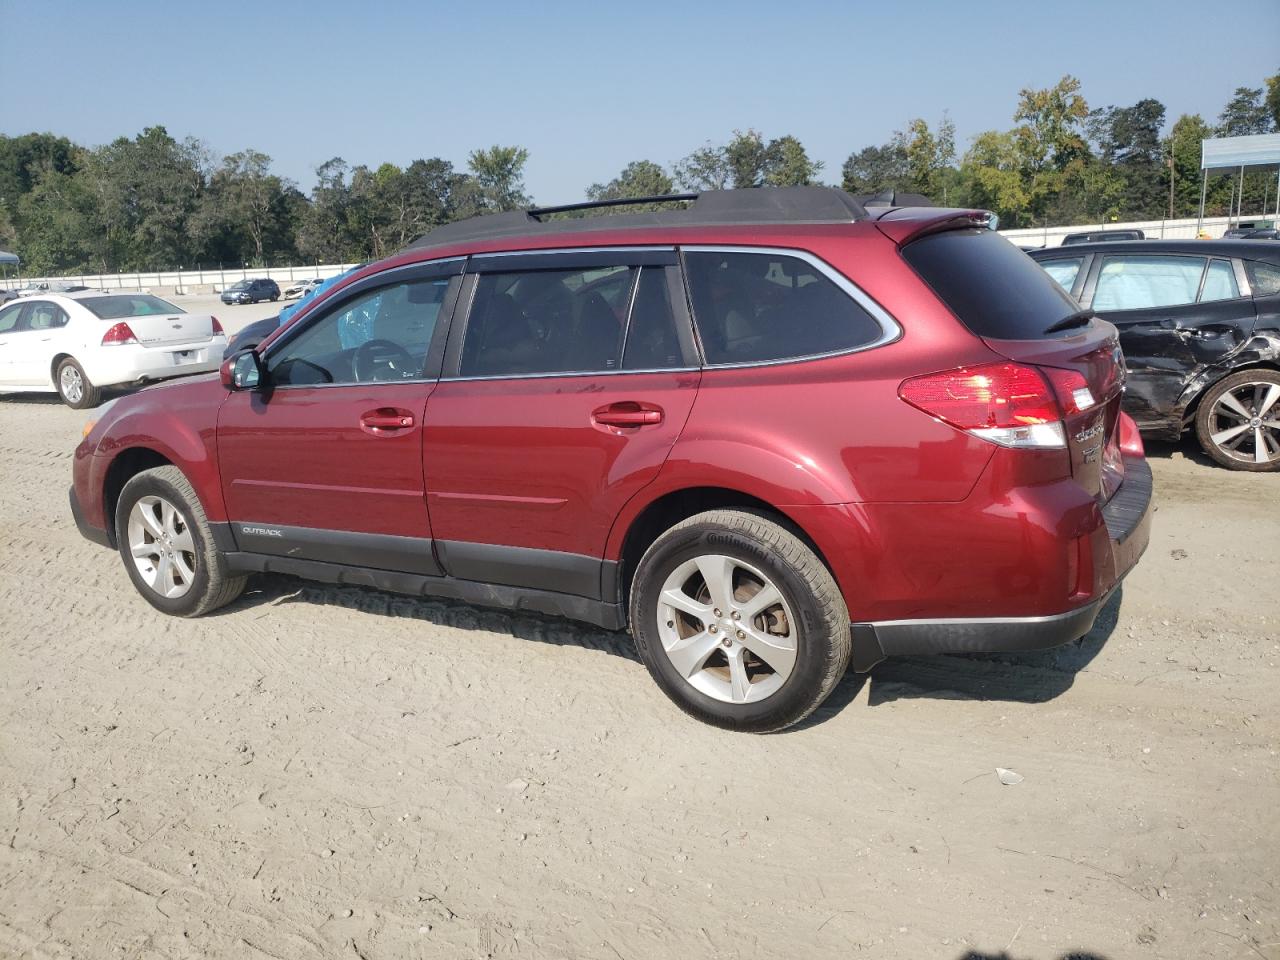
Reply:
x=335 y=772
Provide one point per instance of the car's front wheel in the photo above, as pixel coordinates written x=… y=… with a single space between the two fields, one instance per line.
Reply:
x=739 y=622
x=1238 y=421
x=168 y=547
x=74 y=387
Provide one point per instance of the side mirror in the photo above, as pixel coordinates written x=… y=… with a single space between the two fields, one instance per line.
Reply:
x=242 y=372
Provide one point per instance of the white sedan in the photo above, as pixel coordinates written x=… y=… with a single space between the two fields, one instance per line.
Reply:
x=74 y=344
x=301 y=288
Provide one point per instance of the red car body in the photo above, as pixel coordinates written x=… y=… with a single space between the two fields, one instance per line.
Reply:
x=938 y=539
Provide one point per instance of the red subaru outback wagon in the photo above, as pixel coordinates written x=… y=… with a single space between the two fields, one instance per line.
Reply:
x=771 y=432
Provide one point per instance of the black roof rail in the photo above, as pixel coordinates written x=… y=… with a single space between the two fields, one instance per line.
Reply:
x=539 y=212
x=755 y=205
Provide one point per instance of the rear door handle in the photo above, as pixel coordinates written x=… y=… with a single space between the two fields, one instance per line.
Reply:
x=626 y=414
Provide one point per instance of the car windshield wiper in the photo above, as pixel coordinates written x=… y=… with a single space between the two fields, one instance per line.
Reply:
x=1080 y=318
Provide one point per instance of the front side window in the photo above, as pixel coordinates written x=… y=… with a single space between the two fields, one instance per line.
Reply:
x=1219 y=282
x=759 y=307
x=1140 y=282
x=1064 y=271
x=379 y=336
x=9 y=316
x=547 y=321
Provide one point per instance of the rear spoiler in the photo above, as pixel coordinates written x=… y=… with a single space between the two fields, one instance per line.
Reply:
x=904 y=224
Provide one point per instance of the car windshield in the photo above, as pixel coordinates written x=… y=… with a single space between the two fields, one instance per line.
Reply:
x=241 y=285
x=131 y=305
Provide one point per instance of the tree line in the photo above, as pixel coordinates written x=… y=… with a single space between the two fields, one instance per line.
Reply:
x=153 y=202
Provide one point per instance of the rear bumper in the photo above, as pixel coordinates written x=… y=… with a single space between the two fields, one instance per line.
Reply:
x=128 y=363
x=1127 y=519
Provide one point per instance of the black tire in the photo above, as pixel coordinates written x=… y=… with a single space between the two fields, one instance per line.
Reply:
x=275 y=298
x=821 y=644
x=212 y=586
x=90 y=396
x=1209 y=420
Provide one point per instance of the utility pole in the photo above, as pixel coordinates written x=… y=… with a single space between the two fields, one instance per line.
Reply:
x=1171 y=183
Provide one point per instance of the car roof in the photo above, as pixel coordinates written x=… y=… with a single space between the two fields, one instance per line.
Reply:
x=758 y=206
x=1266 y=250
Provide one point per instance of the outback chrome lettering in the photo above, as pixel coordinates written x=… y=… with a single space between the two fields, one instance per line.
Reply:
x=262 y=531
x=1089 y=432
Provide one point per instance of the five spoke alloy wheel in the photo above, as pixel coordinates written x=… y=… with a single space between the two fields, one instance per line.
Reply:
x=162 y=547
x=1239 y=422
x=726 y=628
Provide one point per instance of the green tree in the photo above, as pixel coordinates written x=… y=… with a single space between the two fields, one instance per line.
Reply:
x=1273 y=100
x=499 y=175
x=1128 y=141
x=707 y=168
x=789 y=164
x=992 y=178
x=324 y=233
x=876 y=169
x=927 y=154
x=1245 y=114
x=640 y=178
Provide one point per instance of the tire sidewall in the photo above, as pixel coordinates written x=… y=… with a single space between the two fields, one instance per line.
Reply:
x=813 y=644
x=145 y=484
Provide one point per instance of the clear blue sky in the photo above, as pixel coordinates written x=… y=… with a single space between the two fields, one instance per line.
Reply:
x=589 y=86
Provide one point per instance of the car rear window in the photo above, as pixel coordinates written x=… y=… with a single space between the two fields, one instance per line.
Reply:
x=994 y=288
x=139 y=305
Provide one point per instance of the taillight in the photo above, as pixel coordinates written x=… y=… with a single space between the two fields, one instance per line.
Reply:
x=1006 y=403
x=217 y=327
x=117 y=335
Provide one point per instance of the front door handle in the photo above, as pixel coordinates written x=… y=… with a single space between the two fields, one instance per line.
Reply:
x=386 y=420
x=626 y=414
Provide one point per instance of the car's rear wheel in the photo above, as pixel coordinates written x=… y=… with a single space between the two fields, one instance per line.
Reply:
x=168 y=548
x=74 y=387
x=1238 y=422
x=739 y=621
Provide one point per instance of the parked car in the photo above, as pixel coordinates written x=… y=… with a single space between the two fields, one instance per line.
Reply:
x=1262 y=233
x=771 y=434
x=251 y=291
x=1199 y=322
x=1102 y=236
x=300 y=288
x=54 y=286
x=75 y=344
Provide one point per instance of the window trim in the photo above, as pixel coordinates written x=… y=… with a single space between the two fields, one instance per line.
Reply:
x=627 y=257
x=449 y=267
x=890 y=329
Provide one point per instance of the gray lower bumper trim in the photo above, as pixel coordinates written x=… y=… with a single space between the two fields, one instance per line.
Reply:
x=891 y=638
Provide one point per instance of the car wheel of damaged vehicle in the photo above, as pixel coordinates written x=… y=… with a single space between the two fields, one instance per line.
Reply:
x=168 y=548
x=1238 y=422
x=74 y=387
x=739 y=622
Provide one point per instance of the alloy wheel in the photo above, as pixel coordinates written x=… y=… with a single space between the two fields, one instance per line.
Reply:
x=72 y=383
x=162 y=547
x=727 y=629
x=1245 y=422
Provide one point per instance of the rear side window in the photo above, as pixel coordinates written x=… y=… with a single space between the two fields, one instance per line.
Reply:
x=759 y=307
x=547 y=321
x=1143 y=281
x=1264 y=278
x=1219 y=282
x=994 y=288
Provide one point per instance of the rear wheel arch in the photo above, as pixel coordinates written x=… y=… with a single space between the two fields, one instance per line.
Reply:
x=675 y=506
x=57 y=362
x=1193 y=405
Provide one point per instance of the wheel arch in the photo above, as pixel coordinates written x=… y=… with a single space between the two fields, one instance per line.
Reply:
x=58 y=357
x=126 y=465
x=671 y=507
x=1202 y=385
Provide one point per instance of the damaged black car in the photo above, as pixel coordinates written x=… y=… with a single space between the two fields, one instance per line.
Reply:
x=1199 y=324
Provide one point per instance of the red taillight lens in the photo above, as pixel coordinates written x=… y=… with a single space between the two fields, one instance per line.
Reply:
x=991 y=395
x=120 y=333
x=1072 y=389
x=217 y=327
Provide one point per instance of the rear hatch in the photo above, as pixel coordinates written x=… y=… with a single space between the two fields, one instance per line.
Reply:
x=153 y=322
x=1004 y=297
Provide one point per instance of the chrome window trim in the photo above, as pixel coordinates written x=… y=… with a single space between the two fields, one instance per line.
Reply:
x=890 y=329
x=557 y=251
